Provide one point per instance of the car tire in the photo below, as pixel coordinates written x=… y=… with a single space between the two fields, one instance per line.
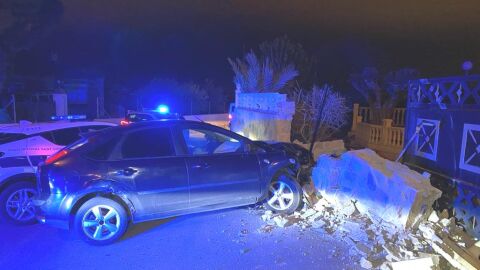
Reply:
x=284 y=195
x=16 y=206
x=101 y=221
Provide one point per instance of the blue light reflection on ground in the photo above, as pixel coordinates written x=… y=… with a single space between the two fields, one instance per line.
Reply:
x=227 y=239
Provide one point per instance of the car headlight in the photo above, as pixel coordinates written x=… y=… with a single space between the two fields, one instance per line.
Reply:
x=292 y=160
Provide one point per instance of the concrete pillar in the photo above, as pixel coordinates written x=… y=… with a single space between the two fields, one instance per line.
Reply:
x=356 y=107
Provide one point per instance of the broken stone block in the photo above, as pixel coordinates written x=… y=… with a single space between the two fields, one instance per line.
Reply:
x=393 y=252
x=433 y=217
x=366 y=264
x=381 y=189
x=445 y=222
x=386 y=266
x=363 y=248
x=318 y=224
x=267 y=215
x=308 y=213
x=280 y=222
x=315 y=217
x=426 y=263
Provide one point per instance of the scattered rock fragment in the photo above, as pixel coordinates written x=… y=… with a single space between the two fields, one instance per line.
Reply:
x=366 y=264
x=433 y=217
x=245 y=250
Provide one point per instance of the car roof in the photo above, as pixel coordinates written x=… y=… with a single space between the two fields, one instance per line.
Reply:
x=164 y=122
x=33 y=128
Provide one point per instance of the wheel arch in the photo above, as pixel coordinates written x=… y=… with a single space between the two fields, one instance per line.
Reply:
x=109 y=193
x=27 y=177
x=278 y=170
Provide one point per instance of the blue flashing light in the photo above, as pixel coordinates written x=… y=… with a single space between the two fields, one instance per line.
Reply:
x=68 y=117
x=163 y=109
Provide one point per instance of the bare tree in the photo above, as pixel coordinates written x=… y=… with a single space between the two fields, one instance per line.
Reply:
x=383 y=94
x=308 y=103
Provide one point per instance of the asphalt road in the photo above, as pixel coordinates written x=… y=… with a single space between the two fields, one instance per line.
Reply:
x=229 y=239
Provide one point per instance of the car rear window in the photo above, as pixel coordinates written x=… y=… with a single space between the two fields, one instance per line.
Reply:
x=154 y=142
x=103 y=150
x=66 y=136
x=11 y=137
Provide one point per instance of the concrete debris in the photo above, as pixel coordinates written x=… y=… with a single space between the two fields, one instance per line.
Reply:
x=425 y=263
x=452 y=243
x=366 y=264
x=445 y=222
x=386 y=266
x=280 y=221
x=434 y=217
x=364 y=217
x=385 y=191
x=375 y=243
x=245 y=250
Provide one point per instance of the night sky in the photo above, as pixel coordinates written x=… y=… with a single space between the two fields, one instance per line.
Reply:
x=135 y=40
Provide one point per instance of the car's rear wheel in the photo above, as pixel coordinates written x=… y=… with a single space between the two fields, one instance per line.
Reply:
x=101 y=221
x=16 y=204
x=284 y=195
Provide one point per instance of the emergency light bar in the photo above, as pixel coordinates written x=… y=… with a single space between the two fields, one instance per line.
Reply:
x=163 y=109
x=68 y=117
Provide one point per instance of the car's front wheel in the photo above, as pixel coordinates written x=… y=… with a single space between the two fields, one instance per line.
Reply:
x=284 y=195
x=16 y=203
x=101 y=221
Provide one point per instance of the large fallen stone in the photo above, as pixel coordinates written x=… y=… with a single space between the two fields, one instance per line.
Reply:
x=385 y=191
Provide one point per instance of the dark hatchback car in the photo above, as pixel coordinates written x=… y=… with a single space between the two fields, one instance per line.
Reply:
x=158 y=169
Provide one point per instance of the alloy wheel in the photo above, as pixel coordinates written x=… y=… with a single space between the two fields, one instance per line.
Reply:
x=280 y=195
x=101 y=222
x=19 y=205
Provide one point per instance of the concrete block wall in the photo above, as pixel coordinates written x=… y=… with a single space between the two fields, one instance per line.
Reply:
x=379 y=188
x=263 y=116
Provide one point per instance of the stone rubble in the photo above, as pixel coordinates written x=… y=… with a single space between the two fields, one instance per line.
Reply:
x=383 y=210
x=376 y=244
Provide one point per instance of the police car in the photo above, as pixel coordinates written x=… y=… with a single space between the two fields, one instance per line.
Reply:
x=162 y=112
x=22 y=147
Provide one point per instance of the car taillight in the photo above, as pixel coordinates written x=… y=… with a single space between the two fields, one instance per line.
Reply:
x=124 y=122
x=55 y=157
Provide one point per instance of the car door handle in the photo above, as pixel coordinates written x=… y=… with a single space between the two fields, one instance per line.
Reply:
x=128 y=171
x=201 y=166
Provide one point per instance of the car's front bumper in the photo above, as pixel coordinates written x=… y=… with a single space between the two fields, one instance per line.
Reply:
x=54 y=210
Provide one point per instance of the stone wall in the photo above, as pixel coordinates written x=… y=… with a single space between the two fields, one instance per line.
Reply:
x=263 y=116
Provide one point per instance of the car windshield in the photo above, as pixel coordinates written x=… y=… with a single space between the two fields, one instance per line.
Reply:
x=11 y=137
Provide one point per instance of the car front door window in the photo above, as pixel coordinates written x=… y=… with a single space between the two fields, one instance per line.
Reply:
x=206 y=142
